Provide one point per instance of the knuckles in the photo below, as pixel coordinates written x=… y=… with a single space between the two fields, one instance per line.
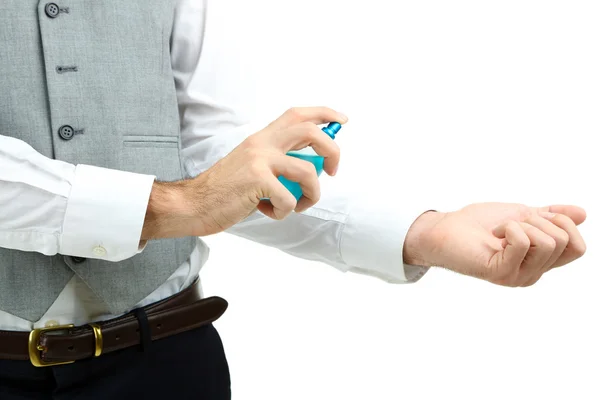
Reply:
x=285 y=209
x=578 y=249
x=306 y=170
x=335 y=151
x=547 y=244
x=522 y=243
x=308 y=129
x=562 y=239
x=294 y=114
x=531 y=282
x=255 y=161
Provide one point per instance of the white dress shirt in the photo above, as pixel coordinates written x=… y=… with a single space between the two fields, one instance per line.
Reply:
x=72 y=209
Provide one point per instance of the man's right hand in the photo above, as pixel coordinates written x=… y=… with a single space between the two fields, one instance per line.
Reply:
x=232 y=189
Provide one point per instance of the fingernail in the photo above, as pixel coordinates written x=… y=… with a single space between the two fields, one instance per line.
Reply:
x=343 y=117
x=335 y=170
x=547 y=215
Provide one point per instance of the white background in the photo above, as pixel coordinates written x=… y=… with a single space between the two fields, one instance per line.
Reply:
x=450 y=102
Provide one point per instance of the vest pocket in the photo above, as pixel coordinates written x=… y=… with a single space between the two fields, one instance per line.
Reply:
x=152 y=155
x=150 y=141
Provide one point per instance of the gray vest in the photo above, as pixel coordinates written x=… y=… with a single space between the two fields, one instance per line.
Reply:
x=90 y=82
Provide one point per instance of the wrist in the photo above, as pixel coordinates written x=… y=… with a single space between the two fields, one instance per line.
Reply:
x=168 y=209
x=419 y=245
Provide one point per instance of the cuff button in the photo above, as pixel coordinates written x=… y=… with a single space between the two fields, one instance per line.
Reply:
x=99 y=251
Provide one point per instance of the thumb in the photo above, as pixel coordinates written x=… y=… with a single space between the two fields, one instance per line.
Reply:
x=577 y=214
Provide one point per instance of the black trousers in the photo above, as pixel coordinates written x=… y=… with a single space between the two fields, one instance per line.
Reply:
x=189 y=365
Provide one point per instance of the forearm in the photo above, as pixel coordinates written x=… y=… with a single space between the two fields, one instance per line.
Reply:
x=345 y=230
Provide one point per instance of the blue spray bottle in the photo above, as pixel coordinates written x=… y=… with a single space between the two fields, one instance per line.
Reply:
x=308 y=154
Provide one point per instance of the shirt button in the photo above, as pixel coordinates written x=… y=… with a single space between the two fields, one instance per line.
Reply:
x=66 y=132
x=99 y=251
x=52 y=10
x=51 y=323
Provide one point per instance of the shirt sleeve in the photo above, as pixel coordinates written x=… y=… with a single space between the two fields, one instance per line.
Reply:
x=52 y=207
x=348 y=232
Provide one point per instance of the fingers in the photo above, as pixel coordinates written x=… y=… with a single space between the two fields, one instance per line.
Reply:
x=575 y=247
x=542 y=248
x=526 y=254
x=281 y=202
x=576 y=214
x=558 y=235
x=297 y=128
x=509 y=260
x=315 y=115
x=305 y=174
x=261 y=159
x=554 y=240
x=308 y=134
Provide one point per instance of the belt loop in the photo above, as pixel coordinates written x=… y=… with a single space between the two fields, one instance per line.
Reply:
x=144 y=329
x=98 y=339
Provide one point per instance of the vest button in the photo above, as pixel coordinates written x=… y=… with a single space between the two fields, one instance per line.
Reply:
x=66 y=132
x=78 y=260
x=52 y=10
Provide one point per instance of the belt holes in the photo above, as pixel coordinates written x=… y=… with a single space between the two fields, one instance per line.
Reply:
x=158 y=326
x=71 y=348
x=117 y=337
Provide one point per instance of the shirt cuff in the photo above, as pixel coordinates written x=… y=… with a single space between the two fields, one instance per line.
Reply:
x=105 y=213
x=372 y=243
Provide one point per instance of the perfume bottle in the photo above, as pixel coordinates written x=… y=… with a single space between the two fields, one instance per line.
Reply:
x=308 y=154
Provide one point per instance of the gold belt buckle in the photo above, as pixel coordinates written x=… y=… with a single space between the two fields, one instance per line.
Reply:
x=35 y=347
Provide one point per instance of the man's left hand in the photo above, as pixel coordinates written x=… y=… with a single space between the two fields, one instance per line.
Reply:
x=506 y=244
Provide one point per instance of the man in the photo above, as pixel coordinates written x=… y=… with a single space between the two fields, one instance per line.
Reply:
x=107 y=107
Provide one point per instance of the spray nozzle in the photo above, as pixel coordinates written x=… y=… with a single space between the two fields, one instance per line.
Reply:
x=332 y=129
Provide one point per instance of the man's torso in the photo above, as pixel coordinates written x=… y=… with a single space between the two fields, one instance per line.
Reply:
x=90 y=82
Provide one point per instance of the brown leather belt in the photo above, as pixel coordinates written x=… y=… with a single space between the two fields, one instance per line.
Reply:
x=66 y=344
